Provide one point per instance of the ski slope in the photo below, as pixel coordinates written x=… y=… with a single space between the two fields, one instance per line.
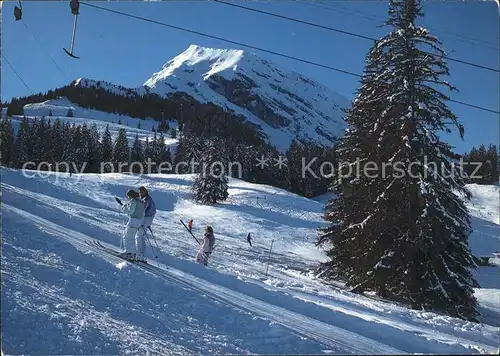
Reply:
x=59 y=109
x=61 y=296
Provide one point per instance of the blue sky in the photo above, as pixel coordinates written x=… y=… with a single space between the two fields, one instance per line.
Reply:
x=127 y=51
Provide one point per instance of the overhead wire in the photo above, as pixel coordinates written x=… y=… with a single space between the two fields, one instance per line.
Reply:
x=16 y=73
x=343 y=32
x=457 y=36
x=223 y=39
x=48 y=54
x=260 y=49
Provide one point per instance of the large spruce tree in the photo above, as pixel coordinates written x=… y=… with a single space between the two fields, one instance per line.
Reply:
x=121 y=151
x=106 y=151
x=211 y=184
x=400 y=229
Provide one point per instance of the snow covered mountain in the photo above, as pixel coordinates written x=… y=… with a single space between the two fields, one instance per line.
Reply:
x=60 y=296
x=284 y=104
x=278 y=103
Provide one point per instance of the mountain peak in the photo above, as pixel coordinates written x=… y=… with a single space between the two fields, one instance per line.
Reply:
x=211 y=60
x=284 y=104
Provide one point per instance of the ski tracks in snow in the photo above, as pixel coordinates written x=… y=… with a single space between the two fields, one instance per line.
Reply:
x=335 y=338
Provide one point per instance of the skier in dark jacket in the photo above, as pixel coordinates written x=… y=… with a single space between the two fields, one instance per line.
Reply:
x=249 y=239
x=149 y=215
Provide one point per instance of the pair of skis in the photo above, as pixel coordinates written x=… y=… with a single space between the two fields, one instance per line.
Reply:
x=98 y=244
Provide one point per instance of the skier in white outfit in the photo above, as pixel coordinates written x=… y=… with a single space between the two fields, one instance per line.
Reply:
x=134 y=208
x=149 y=215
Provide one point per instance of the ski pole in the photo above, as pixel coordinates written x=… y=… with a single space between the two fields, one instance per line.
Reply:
x=154 y=239
x=147 y=237
x=122 y=247
x=122 y=225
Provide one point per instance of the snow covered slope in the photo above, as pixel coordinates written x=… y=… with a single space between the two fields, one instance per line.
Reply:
x=283 y=103
x=61 y=297
x=60 y=107
x=485 y=202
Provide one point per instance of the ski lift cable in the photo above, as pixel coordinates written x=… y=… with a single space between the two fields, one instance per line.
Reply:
x=19 y=76
x=456 y=36
x=37 y=40
x=343 y=32
x=221 y=39
x=260 y=49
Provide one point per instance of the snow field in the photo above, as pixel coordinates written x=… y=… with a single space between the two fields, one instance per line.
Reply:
x=89 y=302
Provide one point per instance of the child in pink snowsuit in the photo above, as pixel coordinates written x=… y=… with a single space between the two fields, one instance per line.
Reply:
x=207 y=247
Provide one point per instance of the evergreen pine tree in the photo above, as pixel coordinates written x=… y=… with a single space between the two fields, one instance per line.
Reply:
x=162 y=156
x=121 y=151
x=85 y=148
x=21 y=144
x=295 y=180
x=106 y=150
x=137 y=154
x=173 y=133
x=70 y=113
x=41 y=142
x=404 y=236
x=73 y=155
x=471 y=160
x=189 y=151
x=57 y=146
x=211 y=184
x=67 y=143
x=149 y=156
x=94 y=154
x=493 y=157
x=7 y=139
x=270 y=173
x=485 y=168
x=33 y=148
x=246 y=156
